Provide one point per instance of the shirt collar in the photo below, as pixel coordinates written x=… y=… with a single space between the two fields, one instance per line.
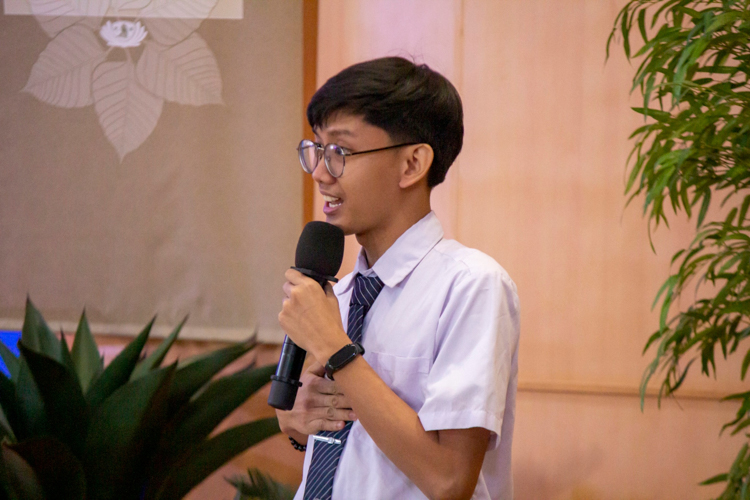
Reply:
x=403 y=256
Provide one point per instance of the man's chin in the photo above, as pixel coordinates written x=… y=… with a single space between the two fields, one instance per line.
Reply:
x=336 y=221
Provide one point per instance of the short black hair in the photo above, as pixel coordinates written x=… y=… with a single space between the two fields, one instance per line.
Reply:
x=412 y=103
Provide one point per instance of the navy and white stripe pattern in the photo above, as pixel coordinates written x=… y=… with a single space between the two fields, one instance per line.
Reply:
x=326 y=456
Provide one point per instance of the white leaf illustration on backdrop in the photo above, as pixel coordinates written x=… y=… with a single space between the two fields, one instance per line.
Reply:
x=186 y=73
x=199 y=9
x=127 y=112
x=62 y=74
x=131 y=4
x=171 y=31
x=56 y=15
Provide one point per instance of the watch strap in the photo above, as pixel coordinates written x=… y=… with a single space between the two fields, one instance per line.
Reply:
x=343 y=357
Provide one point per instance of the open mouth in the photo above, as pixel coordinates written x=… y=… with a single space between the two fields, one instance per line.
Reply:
x=332 y=201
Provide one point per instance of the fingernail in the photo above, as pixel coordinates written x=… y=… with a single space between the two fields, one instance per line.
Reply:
x=340 y=425
x=352 y=415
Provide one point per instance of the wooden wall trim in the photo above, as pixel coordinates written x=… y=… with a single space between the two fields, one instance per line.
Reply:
x=309 y=84
x=621 y=391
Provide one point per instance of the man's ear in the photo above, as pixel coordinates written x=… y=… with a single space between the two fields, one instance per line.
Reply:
x=417 y=165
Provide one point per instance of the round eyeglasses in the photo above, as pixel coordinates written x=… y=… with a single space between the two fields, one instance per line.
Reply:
x=334 y=155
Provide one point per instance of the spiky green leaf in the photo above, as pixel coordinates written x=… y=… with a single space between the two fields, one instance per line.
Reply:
x=195 y=374
x=258 y=485
x=20 y=480
x=31 y=417
x=85 y=353
x=122 y=432
x=220 y=398
x=10 y=360
x=119 y=370
x=37 y=335
x=211 y=454
x=64 y=403
x=155 y=359
x=6 y=431
x=58 y=470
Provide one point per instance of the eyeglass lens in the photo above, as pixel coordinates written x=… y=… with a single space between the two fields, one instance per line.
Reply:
x=334 y=156
x=309 y=156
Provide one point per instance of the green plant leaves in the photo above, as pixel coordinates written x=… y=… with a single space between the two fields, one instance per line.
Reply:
x=154 y=360
x=213 y=405
x=64 y=403
x=133 y=433
x=694 y=75
x=85 y=354
x=260 y=486
x=119 y=370
x=194 y=375
x=37 y=335
x=18 y=477
x=6 y=431
x=114 y=453
x=209 y=455
x=31 y=417
x=58 y=471
x=10 y=360
x=196 y=419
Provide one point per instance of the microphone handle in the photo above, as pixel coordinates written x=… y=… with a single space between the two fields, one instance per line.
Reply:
x=285 y=382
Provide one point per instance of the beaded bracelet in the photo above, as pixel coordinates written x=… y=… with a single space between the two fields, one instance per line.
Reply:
x=297 y=446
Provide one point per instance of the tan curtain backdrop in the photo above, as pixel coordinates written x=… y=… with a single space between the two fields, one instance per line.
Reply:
x=147 y=164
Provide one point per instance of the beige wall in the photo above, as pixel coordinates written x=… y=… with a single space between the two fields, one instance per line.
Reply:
x=539 y=186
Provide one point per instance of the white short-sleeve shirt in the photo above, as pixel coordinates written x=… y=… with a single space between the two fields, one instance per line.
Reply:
x=443 y=335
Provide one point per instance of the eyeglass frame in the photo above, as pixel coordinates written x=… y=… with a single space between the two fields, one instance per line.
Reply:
x=344 y=153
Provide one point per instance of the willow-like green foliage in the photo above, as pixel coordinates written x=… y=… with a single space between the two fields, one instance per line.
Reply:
x=694 y=152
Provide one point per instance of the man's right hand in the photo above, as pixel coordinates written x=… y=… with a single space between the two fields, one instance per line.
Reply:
x=318 y=407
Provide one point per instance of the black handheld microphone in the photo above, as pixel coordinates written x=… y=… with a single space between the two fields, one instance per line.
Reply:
x=320 y=251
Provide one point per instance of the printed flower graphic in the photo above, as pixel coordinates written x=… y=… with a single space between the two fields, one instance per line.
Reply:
x=79 y=68
x=123 y=33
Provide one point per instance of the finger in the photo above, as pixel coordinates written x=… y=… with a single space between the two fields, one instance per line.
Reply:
x=287 y=287
x=331 y=414
x=335 y=401
x=324 y=386
x=317 y=369
x=295 y=277
x=331 y=425
x=334 y=415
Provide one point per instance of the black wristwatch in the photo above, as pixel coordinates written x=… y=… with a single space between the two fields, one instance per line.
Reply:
x=343 y=357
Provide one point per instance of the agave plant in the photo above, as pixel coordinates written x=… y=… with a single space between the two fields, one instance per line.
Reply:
x=260 y=486
x=72 y=429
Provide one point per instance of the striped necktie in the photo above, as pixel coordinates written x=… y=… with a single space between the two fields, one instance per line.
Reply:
x=326 y=456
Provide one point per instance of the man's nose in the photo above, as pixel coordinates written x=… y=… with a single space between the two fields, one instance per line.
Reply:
x=321 y=175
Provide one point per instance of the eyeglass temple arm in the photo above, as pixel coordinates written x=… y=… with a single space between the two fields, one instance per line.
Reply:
x=380 y=149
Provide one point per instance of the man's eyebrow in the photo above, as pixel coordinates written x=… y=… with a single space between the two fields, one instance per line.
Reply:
x=340 y=132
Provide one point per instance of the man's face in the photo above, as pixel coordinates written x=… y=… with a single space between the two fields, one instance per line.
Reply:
x=363 y=200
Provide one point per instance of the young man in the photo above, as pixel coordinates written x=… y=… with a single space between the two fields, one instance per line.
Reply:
x=428 y=409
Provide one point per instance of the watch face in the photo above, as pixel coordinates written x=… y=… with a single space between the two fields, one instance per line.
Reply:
x=344 y=354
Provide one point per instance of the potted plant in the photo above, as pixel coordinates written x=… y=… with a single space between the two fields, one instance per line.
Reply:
x=73 y=429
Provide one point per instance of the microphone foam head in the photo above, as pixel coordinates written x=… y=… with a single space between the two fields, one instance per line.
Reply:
x=320 y=248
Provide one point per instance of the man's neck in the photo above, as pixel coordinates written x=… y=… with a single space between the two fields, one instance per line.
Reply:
x=376 y=243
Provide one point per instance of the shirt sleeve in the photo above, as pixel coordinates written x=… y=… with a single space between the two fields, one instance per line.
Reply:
x=476 y=354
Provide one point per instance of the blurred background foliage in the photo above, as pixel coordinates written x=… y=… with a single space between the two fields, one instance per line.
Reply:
x=691 y=154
